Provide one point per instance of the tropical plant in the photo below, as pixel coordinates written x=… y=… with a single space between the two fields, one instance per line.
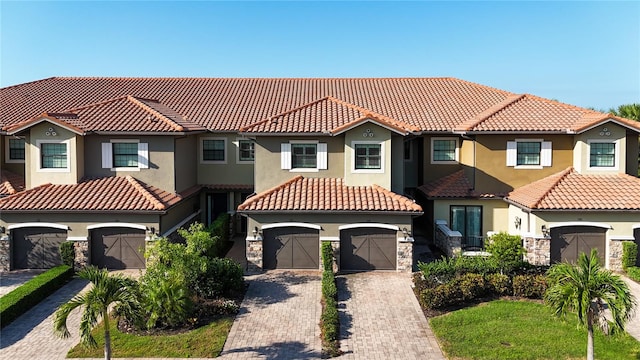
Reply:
x=68 y=253
x=107 y=290
x=507 y=250
x=587 y=289
x=629 y=111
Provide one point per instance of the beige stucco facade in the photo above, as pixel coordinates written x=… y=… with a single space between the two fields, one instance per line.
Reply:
x=494 y=212
x=608 y=133
x=229 y=171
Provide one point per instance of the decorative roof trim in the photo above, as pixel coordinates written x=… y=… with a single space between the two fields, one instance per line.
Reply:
x=50 y=117
x=369 y=225
x=629 y=124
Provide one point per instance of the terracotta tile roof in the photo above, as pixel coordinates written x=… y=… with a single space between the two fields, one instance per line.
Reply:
x=433 y=104
x=228 y=187
x=327 y=116
x=533 y=113
x=328 y=194
x=116 y=193
x=122 y=114
x=10 y=183
x=569 y=190
x=453 y=186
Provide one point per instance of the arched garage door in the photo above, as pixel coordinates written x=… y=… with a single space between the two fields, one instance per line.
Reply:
x=567 y=242
x=368 y=249
x=291 y=248
x=118 y=248
x=37 y=247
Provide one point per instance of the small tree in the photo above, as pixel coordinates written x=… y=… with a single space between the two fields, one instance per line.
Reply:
x=507 y=250
x=107 y=290
x=68 y=253
x=588 y=289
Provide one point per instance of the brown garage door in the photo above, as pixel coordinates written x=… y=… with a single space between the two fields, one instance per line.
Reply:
x=118 y=248
x=636 y=236
x=37 y=248
x=368 y=249
x=568 y=242
x=291 y=248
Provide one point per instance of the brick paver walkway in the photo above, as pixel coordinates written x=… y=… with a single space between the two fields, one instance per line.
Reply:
x=278 y=319
x=380 y=318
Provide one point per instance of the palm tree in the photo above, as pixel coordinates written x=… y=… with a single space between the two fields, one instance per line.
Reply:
x=587 y=288
x=629 y=111
x=107 y=290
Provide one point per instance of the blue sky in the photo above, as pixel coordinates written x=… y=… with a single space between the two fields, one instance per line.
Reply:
x=583 y=53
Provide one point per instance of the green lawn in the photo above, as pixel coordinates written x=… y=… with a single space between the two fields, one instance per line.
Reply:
x=206 y=341
x=522 y=330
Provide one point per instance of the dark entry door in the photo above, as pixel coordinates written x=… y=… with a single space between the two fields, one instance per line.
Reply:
x=217 y=203
x=118 y=248
x=37 y=248
x=291 y=248
x=568 y=242
x=467 y=219
x=368 y=249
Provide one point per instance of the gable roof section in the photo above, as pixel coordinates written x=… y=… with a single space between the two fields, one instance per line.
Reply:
x=325 y=116
x=10 y=183
x=330 y=195
x=116 y=193
x=453 y=186
x=121 y=114
x=569 y=190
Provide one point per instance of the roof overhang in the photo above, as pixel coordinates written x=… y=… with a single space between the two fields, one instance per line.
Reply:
x=613 y=120
x=365 y=120
x=44 y=118
x=342 y=212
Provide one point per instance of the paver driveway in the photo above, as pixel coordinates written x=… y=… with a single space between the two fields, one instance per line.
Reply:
x=380 y=318
x=278 y=318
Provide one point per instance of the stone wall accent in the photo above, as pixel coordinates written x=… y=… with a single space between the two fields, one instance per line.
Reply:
x=449 y=241
x=5 y=254
x=615 y=255
x=254 y=255
x=538 y=250
x=81 y=249
x=405 y=256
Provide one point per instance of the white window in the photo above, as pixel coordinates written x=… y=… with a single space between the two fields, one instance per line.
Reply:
x=529 y=153
x=125 y=155
x=213 y=151
x=15 y=150
x=245 y=151
x=303 y=156
x=444 y=151
x=53 y=155
x=602 y=154
x=367 y=157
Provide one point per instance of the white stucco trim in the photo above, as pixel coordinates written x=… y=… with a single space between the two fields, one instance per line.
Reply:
x=368 y=225
x=579 y=223
x=116 y=224
x=329 y=238
x=635 y=226
x=179 y=225
x=622 y=238
x=291 y=224
x=77 y=238
x=38 y=224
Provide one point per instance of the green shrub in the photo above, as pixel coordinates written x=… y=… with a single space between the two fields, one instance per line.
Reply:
x=219 y=229
x=329 y=319
x=445 y=269
x=441 y=296
x=68 y=253
x=329 y=289
x=629 y=254
x=633 y=272
x=506 y=249
x=24 y=297
x=472 y=286
x=166 y=302
x=222 y=277
x=327 y=256
x=529 y=286
x=499 y=284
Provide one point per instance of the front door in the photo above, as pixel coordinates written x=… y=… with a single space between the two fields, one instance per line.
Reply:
x=217 y=203
x=467 y=219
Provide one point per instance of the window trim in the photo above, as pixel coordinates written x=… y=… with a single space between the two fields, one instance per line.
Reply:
x=546 y=154
x=445 y=162
x=303 y=169
x=531 y=166
x=226 y=151
x=286 y=160
x=143 y=155
x=237 y=145
x=8 y=158
x=367 y=171
x=124 y=168
x=616 y=155
x=39 y=155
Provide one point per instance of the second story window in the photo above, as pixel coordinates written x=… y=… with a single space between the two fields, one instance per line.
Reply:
x=602 y=154
x=53 y=156
x=444 y=151
x=246 y=150
x=528 y=153
x=125 y=154
x=15 y=150
x=368 y=156
x=213 y=150
x=303 y=156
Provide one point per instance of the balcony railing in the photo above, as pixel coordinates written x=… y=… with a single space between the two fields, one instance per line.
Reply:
x=473 y=243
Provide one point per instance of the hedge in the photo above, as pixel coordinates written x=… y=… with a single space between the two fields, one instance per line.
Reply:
x=329 y=320
x=629 y=254
x=24 y=297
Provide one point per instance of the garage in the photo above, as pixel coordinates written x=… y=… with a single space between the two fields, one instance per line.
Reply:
x=567 y=242
x=118 y=248
x=636 y=237
x=368 y=249
x=37 y=247
x=291 y=247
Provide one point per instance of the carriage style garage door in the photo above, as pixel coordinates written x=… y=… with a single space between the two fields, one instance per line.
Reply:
x=568 y=242
x=291 y=248
x=117 y=248
x=636 y=236
x=37 y=247
x=368 y=249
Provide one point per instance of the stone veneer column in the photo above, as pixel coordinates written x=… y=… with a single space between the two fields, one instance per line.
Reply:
x=615 y=255
x=81 y=249
x=254 y=255
x=405 y=255
x=5 y=253
x=538 y=250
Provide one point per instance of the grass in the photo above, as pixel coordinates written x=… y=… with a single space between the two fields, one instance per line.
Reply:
x=206 y=341
x=522 y=330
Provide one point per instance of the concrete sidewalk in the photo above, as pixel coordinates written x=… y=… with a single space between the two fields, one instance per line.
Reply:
x=633 y=326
